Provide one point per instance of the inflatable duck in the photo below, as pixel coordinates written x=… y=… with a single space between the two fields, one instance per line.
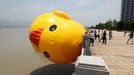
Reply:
x=57 y=36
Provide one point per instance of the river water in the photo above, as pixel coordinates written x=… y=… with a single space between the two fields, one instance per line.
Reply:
x=17 y=57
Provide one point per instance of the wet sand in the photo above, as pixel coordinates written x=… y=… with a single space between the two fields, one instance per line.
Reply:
x=118 y=55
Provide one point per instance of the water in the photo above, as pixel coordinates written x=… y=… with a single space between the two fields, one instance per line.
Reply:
x=17 y=56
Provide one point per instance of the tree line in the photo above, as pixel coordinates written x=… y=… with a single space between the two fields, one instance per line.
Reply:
x=116 y=25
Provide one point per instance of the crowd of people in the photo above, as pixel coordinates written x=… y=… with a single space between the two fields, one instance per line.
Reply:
x=102 y=36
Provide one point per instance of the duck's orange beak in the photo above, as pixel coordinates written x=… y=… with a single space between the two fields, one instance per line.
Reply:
x=35 y=36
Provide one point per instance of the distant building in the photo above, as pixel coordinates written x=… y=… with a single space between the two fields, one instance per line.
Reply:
x=127 y=10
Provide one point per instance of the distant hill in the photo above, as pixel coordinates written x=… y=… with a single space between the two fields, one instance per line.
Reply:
x=9 y=24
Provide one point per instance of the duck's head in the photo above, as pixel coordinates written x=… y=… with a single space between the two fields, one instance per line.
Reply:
x=57 y=36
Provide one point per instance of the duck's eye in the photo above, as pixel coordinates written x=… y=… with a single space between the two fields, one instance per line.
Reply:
x=53 y=27
x=46 y=54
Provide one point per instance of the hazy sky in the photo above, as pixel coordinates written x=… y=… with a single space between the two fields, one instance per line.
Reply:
x=87 y=12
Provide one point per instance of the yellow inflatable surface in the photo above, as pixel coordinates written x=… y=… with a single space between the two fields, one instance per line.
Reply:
x=57 y=36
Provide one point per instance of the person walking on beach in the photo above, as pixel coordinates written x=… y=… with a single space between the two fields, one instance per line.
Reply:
x=95 y=34
x=104 y=38
x=110 y=34
x=131 y=35
x=125 y=33
x=99 y=36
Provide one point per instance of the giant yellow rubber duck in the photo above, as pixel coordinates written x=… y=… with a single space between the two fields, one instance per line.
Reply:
x=57 y=36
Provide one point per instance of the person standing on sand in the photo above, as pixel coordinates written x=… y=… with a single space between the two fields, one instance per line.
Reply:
x=104 y=38
x=131 y=35
x=99 y=36
x=125 y=33
x=95 y=34
x=110 y=34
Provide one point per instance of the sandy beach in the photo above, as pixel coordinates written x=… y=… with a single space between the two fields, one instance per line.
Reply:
x=118 y=55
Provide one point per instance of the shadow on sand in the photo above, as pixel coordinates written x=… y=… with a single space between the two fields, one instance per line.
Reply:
x=55 y=69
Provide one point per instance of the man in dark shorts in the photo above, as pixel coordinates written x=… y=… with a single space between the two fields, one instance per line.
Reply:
x=131 y=35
